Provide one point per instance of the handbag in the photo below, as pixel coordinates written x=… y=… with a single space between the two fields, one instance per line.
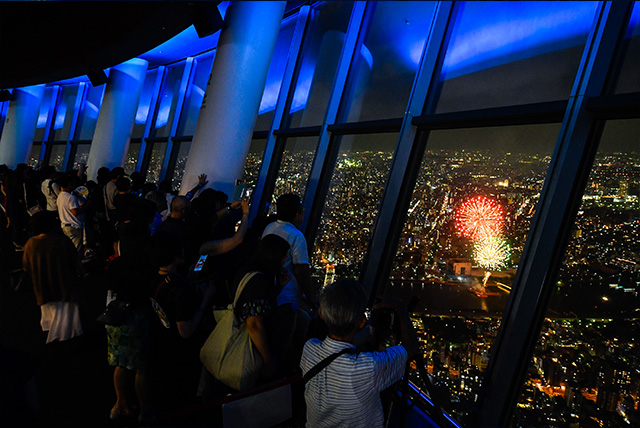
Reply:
x=115 y=314
x=228 y=353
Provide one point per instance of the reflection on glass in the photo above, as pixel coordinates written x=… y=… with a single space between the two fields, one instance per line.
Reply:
x=181 y=163
x=275 y=75
x=296 y=166
x=628 y=80
x=155 y=162
x=144 y=106
x=504 y=53
x=131 y=160
x=320 y=54
x=57 y=156
x=585 y=369
x=34 y=156
x=45 y=106
x=82 y=155
x=469 y=217
x=382 y=73
x=168 y=100
x=89 y=112
x=65 y=112
x=195 y=95
x=351 y=205
x=253 y=163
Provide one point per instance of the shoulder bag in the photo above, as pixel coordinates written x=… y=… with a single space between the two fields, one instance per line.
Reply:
x=228 y=354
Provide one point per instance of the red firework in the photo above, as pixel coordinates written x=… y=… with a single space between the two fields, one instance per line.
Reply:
x=479 y=218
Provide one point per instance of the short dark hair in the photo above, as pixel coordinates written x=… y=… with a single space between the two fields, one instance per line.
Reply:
x=63 y=180
x=343 y=304
x=288 y=206
x=123 y=184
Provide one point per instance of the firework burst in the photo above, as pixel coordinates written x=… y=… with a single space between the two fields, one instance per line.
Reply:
x=492 y=253
x=479 y=218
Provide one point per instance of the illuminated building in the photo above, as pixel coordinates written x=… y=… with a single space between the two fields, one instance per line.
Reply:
x=387 y=116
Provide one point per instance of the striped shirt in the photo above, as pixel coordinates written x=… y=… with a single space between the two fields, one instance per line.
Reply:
x=347 y=392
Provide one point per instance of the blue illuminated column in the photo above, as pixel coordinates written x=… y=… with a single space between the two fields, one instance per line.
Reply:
x=117 y=114
x=20 y=125
x=230 y=108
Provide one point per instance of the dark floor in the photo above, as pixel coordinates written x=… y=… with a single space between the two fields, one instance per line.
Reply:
x=73 y=380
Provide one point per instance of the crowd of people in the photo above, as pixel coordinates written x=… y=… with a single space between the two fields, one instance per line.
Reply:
x=167 y=261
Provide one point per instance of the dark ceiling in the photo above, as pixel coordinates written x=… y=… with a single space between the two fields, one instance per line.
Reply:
x=48 y=41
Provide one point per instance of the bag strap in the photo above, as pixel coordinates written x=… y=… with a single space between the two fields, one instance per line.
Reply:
x=324 y=363
x=243 y=282
x=166 y=280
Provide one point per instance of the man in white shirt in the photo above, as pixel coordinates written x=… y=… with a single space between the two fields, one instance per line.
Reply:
x=346 y=393
x=50 y=189
x=289 y=217
x=299 y=293
x=69 y=211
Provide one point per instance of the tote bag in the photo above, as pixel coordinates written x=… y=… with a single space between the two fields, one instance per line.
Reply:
x=228 y=354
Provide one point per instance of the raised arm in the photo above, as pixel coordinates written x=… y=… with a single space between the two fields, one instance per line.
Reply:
x=222 y=246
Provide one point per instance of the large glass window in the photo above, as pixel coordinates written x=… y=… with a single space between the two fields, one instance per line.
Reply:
x=628 y=80
x=253 y=163
x=195 y=95
x=585 y=369
x=295 y=168
x=144 y=106
x=131 y=160
x=321 y=52
x=352 y=204
x=181 y=163
x=276 y=74
x=56 y=158
x=168 y=101
x=64 y=112
x=89 y=113
x=473 y=202
x=46 y=106
x=156 y=158
x=34 y=156
x=82 y=155
x=504 y=53
x=384 y=68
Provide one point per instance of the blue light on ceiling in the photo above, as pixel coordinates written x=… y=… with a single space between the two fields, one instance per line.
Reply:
x=187 y=43
x=634 y=22
x=62 y=112
x=487 y=34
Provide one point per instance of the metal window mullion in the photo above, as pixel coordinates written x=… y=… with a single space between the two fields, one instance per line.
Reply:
x=320 y=175
x=71 y=147
x=187 y=78
x=406 y=160
x=550 y=229
x=143 y=156
x=273 y=149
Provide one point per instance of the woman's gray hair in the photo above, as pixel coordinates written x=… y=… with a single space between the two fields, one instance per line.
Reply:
x=343 y=304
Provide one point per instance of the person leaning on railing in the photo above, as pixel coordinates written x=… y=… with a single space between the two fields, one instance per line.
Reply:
x=347 y=391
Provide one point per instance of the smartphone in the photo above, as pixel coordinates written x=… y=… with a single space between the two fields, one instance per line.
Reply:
x=200 y=263
x=246 y=193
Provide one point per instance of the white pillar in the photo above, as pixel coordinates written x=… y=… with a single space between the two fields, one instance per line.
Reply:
x=20 y=125
x=117 y=114
x=230 y=108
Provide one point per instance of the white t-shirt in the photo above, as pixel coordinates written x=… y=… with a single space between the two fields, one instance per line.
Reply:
x=66 y=202
x=51 y=193
x=297 y=256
